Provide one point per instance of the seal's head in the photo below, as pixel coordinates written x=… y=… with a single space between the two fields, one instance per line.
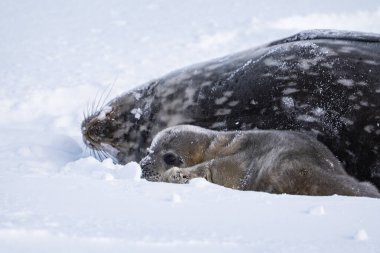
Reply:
x=116 y=129
x=98 y=131
x=178 y=146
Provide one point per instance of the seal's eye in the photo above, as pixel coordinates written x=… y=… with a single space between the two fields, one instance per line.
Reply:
x=172 y=159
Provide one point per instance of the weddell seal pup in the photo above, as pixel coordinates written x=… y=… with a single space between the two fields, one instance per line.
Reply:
x=324 y=83
x=260 y=160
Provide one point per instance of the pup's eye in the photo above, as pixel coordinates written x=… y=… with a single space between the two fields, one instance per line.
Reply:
x=172 y=159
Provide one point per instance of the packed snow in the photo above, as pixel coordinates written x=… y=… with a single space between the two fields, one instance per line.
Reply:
x=57 y=56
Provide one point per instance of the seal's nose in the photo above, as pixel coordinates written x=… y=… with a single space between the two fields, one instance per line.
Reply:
x=145 y=162
x=95 y=130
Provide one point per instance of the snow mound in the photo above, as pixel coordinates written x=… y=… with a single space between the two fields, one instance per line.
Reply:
x=105 y=170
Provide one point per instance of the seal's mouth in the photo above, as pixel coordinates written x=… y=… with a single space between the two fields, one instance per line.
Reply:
x=90 y=141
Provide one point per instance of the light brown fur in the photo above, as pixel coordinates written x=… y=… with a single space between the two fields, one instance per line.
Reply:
x=270 y=161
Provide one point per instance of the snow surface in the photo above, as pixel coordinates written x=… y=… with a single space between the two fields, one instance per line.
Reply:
x=56 y=56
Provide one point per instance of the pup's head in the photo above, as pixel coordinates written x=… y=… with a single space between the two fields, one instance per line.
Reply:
x=178 y=146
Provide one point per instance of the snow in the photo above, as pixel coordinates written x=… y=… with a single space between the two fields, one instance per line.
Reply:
x=346 y=82
x=288 y=102
x=103 y=113
x=56 y=56
x=137 y=112
x=361 y=235
x=354 y=20
x=317 y=210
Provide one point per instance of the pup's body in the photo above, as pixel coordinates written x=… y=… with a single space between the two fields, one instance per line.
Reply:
x=271 y=161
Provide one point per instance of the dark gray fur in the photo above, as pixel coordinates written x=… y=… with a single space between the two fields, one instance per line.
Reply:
x=258 y=160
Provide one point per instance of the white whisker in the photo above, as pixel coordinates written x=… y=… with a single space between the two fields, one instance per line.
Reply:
x=109 y=92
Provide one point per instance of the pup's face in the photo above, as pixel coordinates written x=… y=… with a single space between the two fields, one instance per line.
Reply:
x=179 y=146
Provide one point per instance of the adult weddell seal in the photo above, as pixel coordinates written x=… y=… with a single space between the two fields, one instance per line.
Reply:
x=324 y=83
x=260 y=160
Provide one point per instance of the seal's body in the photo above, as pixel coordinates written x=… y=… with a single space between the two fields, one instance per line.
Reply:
x=324 y=83
x=259 y=160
